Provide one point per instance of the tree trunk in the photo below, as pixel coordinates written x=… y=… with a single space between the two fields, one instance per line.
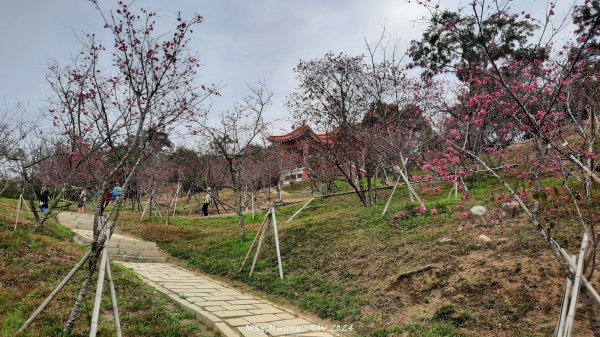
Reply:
x=592 y=311
x=76 y=310
x=51 y=206
x=253 y=208
x=98 y=243
x=29 y=194
x=238 y=210
x=278 y=188
x=370 y=196
x=351 y=182
x=237 y=206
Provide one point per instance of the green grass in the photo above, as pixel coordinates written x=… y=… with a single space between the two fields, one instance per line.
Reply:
x=339 y=259
x=342 y=185
x=297 y=187
x=31 y=265
x=430 y=330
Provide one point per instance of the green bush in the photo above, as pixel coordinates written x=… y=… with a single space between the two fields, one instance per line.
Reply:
x=448 y=313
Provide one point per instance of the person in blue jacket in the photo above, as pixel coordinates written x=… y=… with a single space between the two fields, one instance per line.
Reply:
x=116 y=193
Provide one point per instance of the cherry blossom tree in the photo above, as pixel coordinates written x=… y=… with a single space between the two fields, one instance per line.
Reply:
x=397 y=127
x=547 y=101
x=23 y=146
x=374 y=114
x=234 y=136
x=114 y=102
x=189 y=163
x=153 y=177
x=332 y=94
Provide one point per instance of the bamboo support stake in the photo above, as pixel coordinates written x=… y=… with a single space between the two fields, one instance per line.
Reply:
x=409 y=187
x=251 y=246
x=455 y=185
x=414 y=193
x=99 y=288
x=188 y=197
x=277 y=242
x=153 y=201
x=576 y=286
x=564 y=308
x=262 y=202
x=451 y=190
x=158 y=209
x=113 y=297
x=585 y=281
x=253 y=209
x=387 y=204
x=54 y=292
x=300 y=210
x=260 y=241
x=254 y=241
x=18 y=210
x=25 y=203
x=176 y=197
x=463 y=184
x=145 y=208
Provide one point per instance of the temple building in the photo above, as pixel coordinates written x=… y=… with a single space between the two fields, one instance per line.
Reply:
x=301 y=157
x=296 y=149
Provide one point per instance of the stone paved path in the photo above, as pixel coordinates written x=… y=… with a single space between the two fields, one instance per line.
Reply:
x=120 y=247
x=223 y=308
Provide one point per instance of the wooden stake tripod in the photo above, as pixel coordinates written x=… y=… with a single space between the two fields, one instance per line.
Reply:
x=103 y=271
x=21 y=202
x=411 y=191
x=260 y=235
x=568 y=307
x=151 y=201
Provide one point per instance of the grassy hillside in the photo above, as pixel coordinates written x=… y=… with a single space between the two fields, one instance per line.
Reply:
x=341 y=261
x=32 y=265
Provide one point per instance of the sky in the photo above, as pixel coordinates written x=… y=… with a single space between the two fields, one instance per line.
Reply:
x=239 y=42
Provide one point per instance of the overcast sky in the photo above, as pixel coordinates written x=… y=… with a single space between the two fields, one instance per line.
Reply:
x=239 y=42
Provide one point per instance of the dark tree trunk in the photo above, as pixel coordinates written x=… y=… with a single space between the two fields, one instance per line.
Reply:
x=593 y=312
x=76 y=309
x=233 y=172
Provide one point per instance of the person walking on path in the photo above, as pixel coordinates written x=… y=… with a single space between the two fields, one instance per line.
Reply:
x=82 y=200
x=207 y=199
x=116 y=192
x=44 y=202
x=105 y=200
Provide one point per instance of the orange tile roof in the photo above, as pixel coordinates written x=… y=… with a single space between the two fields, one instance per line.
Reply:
x=302 y=130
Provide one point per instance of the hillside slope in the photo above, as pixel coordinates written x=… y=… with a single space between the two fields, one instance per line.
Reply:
x=31 y=265
x=342 y=260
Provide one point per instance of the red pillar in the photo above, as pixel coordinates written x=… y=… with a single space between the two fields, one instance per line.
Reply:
x=305 y=149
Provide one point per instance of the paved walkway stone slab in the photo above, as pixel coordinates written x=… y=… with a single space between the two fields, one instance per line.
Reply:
x=227 y=310
x=120 y=247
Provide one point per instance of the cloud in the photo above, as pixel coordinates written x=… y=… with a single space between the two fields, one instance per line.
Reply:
x=240 y=42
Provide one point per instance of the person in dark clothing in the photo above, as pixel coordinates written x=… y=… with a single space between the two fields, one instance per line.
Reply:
x=105 y=200
x=44 y=202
